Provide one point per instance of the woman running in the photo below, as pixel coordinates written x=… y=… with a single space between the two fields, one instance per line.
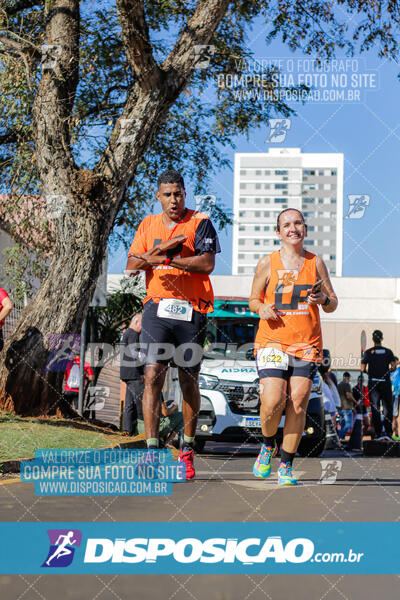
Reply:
x=288 y=286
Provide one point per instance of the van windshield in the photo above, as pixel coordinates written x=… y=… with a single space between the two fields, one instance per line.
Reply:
x=232 y=338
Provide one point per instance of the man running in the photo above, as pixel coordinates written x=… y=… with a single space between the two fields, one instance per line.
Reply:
x=176 y=249
x=381 y=361
x=288 y=343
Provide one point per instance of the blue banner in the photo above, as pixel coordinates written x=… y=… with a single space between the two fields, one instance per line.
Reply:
x=215 y=548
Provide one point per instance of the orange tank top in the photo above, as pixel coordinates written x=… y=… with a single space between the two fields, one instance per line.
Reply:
x=168 y=282
x=298 y=330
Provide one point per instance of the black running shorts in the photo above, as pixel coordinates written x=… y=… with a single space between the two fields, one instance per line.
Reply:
x=296 y=367
x=165 y=339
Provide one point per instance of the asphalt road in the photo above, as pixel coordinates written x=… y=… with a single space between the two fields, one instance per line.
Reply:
x=366 y=489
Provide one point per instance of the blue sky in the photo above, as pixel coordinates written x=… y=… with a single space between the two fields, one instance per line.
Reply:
x=367 y=132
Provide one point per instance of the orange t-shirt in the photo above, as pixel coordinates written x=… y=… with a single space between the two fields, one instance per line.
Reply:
x=298 y=329
x=164 y=281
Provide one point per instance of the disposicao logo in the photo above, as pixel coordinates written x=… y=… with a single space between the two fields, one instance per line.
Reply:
x=62 y=547
x=190 y=550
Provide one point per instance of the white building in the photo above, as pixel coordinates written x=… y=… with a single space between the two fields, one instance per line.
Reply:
x=266 y=183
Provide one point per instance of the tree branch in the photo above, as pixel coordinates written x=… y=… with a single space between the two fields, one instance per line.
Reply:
x=147 y=106
x=54 y=102
x=21 y=47
x=9 y=137
x=19 y=6
x=135 y=35
x=198 y=32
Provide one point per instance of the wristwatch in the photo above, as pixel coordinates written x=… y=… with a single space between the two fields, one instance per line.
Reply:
x=327 y=301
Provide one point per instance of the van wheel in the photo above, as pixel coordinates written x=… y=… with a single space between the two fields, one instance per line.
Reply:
x=199 y=445
x=311 y=448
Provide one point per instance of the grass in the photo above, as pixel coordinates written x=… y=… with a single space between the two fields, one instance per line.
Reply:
x=20 y=437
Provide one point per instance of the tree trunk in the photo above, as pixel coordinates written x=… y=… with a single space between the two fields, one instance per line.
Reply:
x=89 y=200
x=30 y=379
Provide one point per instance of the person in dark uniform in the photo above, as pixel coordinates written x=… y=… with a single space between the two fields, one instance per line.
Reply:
x=380 y=362
x=132 y=372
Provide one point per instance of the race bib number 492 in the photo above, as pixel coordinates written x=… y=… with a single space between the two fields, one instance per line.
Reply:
x=271 y=358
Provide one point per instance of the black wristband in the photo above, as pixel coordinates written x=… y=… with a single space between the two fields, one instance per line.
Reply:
x=327 y=301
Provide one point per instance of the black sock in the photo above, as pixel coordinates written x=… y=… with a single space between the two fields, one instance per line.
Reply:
x=269 y=441
x=184 y=445
x=287 y=457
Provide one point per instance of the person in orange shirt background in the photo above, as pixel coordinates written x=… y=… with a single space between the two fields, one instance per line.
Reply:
x=288 y=343
x=176 y=248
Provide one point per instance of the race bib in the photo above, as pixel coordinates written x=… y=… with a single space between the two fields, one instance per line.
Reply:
x=271 y=358
x=172 y=308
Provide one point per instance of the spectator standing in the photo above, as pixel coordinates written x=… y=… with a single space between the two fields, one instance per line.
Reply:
x=331 y=399
x=380 y=362
x=395 y=379
x=347 y=403
x=365 y=402
x=132 y=372
x=171 y=421
x=5 y=308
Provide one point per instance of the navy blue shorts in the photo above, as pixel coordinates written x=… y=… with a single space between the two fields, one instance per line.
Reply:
x=163 y=340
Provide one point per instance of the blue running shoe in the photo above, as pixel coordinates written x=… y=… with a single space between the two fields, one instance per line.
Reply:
x=285 y=475
x=262 y=466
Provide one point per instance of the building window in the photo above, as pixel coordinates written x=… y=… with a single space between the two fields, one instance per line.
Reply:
x=258 y=200
x=333 y=172
x=307 y=172
x=243 y=186
x=267 y=172
x=266 y=186
x=266 y=213
x=280 y=200
x=266 y=242
x=241 y=213
x=281 y=186
x=241 y=242
x=266 y=227
x=241 y=228
x=243 y=200
x=257 y=228
x=308 y=242
x=257 y=256
x=333 y=257
x=241 y=270
x=321 y=173
x=256 y=242
x=241 y=255
x=257 y=213
x=276 y=242
x=258 y=172
x=279 y=172
x=243 y=171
